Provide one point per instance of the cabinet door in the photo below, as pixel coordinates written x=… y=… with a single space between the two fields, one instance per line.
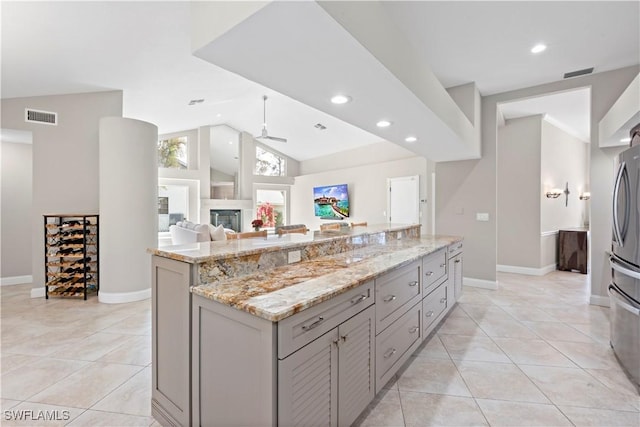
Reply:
x=356 y=386
x=308 y=384
x=455 y=275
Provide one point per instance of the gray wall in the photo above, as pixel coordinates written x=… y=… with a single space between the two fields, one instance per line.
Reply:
x=519 y=192
x=65 y=157
x=16 y=206
x=472 y=184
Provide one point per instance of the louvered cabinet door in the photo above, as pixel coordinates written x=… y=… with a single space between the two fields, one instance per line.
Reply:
x=308 y=384
x=356 y=349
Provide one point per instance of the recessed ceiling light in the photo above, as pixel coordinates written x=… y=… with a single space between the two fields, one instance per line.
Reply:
x=625 y=140
x=340 y=99
x=383 y=124
x=540 y=47
x=411 y=139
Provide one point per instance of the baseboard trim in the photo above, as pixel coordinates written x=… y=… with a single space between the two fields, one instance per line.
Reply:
x=599 y=300
x=480 y=283
x=37 y=292
x=526 y=270
x=122 y=297
x=15 y=280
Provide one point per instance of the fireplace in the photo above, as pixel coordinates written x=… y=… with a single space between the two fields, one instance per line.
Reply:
x=229 y=218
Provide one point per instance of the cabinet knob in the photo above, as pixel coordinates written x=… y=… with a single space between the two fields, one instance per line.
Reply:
x=443 y=265
x=390 y=353
x=443 y=300
x=389 y=298
x=414 y=329
x=429 y=313
x=414 y=283
x=458 y=261
x=313 y=325
x=429 y=273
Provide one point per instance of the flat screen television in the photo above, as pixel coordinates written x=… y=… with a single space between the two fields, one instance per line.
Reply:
x=331 y=201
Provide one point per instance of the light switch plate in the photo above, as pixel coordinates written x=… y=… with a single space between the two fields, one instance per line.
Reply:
x=294 y=256
x=482 y=216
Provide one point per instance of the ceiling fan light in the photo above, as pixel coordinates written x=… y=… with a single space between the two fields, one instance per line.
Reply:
x=383 y=124
x=540 y=47
x=340 y=99
x=411 y=139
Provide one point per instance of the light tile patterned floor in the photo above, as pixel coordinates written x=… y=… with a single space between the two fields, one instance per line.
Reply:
x=534 y=352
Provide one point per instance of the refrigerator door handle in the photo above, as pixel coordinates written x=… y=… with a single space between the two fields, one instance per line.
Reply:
x=622 y=301
x=618 y=266
x=617 y=234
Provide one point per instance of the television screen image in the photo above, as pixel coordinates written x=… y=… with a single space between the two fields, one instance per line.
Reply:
x=331 y=201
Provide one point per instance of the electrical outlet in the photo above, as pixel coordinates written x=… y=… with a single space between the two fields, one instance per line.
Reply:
x=294 y=256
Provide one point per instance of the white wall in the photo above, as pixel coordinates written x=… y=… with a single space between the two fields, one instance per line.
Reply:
x=65 y=158
x=564 y=159
x=16 y=206
x=367 y=190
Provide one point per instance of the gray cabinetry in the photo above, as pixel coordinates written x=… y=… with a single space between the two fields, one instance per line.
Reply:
x=329 y=381
x=396 y=291
x=434 y=307
x=455 y=269
x=434 y=269
x=170 y=340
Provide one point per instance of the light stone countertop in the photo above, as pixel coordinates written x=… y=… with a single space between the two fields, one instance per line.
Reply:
x=196 y=253
x=283 y=291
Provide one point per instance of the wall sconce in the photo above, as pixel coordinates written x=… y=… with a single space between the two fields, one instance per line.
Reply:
x=585 y=196
x=554 y=193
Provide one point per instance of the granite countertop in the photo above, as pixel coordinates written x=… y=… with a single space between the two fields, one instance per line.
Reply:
x=195 y=253
x=283 y=291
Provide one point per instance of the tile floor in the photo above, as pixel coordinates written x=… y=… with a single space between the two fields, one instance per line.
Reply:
x=534 y=352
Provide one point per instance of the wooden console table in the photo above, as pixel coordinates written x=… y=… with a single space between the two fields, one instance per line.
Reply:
x=573 y=249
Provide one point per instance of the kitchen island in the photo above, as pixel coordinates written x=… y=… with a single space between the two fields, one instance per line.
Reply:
x=299 y=329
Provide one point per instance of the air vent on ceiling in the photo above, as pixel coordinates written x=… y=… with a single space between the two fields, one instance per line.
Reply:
x=43 y=117
x=578 y=73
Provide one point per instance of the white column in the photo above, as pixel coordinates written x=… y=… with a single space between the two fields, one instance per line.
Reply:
x=128 y=208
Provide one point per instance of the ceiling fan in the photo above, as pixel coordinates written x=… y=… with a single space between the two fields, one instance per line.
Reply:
x=265 y=134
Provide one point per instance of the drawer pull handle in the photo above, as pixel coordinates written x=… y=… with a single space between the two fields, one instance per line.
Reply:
x=390 y=353
x=443 y=300
x=414 y=283
x=313 y=325
x=413 y=330
x=460 y=246
x=429 y=313
x=359 y=299
x=443 y=265
x=457 y=261
x=390 y=298
x=429 y=273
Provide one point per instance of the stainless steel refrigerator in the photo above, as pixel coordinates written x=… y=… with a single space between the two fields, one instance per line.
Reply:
x=624 y=291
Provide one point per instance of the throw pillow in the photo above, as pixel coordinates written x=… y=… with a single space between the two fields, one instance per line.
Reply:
x=217 y=233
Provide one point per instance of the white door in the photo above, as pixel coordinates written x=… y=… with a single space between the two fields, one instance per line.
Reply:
x=403 y=202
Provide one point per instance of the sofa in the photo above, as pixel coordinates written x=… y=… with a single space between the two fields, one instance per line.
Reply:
x=185 y=232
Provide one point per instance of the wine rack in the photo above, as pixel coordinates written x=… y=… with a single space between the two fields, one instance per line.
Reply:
x=71 y=255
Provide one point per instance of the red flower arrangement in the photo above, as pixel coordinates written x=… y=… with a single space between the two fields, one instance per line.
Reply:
x=257 y=223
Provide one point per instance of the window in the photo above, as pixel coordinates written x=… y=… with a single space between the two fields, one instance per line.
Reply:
x=269 y=164
x=173 y=205
x=271 y=207
x=172 y=153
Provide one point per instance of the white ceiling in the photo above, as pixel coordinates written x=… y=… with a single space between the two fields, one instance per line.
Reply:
x=143 y=48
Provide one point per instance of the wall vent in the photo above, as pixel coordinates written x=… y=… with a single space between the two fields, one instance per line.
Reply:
x=42 y=117
x=578 y=73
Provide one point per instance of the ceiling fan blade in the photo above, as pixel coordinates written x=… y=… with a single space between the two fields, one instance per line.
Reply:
x=275 y=138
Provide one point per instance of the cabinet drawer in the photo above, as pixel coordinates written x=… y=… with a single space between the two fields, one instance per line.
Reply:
x=454 y=249
x=393 y=291
x=302 y=328
x=396 y=343
x=434 y=267
x=433 y=306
